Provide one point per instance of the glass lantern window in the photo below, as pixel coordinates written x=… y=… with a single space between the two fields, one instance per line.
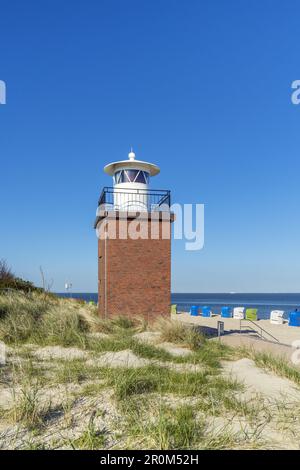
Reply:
x=131 y=176
x=142 y=177
x=117 y=177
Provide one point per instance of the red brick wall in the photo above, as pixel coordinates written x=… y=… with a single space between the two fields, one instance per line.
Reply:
x=138 y=275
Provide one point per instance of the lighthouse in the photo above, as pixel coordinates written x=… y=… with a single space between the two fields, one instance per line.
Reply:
x=133 y=226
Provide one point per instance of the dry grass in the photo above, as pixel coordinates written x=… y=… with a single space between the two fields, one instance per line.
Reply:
x=41 y=319
x=176 y=332
x=167 y=429
x=92 y=438
x=275 y=364
x=159 y=407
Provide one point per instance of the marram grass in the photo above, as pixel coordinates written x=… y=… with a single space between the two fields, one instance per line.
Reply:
x=160 y=407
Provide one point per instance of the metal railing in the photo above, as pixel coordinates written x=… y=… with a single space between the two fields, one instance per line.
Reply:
x=262 y=331
x=152 y=199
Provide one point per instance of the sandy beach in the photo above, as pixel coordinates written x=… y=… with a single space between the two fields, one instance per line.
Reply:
x=285 y=334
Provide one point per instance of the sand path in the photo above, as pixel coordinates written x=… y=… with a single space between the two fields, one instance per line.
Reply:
x=257 y=381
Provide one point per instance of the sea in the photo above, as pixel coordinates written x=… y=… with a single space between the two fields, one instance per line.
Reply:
x=263 y=302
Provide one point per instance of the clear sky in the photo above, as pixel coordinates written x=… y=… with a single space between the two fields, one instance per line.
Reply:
x=200 y=87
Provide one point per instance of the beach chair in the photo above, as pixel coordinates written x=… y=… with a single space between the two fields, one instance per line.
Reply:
x=194 y=310
x=174 y=308
x=294 y=318
x=206 y=312
x=226 y=312
x=239 y=313
x=251 y=314
x=276 y=317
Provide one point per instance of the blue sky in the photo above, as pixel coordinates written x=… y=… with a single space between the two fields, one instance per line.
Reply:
x=202 y=88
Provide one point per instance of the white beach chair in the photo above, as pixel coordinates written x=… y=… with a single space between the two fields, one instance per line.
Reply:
x=239 y=313
x=276 y=317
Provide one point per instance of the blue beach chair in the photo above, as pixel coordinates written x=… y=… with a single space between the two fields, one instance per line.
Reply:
x=206 y=312
x=294 y=318
x=194 y=310
x=226 y=312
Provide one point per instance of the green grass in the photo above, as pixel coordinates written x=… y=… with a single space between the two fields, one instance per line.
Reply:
x=160 y=407
x=177 y=332
x=92 y=438
x=276 y=364
x=174 y=429
x=35 y=318
x=148 y=351
x=26 y=410
x=208 y=353
x=18 y=314
x=112 y=343
x=75 y=371
x=32 y=410
x=214 y=392
x=151 y=423
x=72 y=372
x=128 y=382
x=226 y=440
x=28 y=371
x=33 y=444
x=134 y=382
x=123 y=323
x=40 y=319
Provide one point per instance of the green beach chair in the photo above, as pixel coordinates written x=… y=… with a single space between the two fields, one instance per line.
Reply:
x=251 y=314
x=174 y=308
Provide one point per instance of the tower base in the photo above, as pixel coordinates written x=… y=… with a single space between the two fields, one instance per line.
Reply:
x=134 y=263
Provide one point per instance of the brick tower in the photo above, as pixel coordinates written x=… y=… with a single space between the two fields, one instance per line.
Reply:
x=133 y=226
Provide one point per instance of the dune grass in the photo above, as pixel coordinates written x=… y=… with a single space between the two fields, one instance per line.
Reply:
x=162 y=407
x=176 y=429
x=40 y=319
x=36 y=318
x=276 y=364
x=19 y=313
x=169 y=429
x=176 y=332
x=128 y=383
x=92 y=438
x=48 y=320
x=27 y=409
x=159 y=422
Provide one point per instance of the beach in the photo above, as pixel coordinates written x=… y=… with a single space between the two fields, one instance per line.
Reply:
x=264 y=302
x=284 y=334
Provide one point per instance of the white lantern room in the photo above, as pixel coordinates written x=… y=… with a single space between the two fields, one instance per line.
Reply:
x=131 y=183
